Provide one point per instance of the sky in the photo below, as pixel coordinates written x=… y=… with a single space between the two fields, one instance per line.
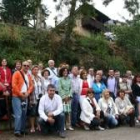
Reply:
x=114 y=10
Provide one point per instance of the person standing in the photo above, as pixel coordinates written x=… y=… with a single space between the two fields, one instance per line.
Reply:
x=53 y=73
x=5 y=87
x=75 y=105
x=22 y=86
x=65 y=91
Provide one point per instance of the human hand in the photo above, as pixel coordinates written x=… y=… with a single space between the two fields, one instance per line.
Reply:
x=50 y=120
x=50 y=114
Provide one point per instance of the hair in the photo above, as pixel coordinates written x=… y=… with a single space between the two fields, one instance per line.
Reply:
x=62 y=70
x=50 y=86
x=82 y=73
x=18 y=61
x=50 y=61
x=42 y=73
x=135 y=78
x=34 y=66
x=90 y=90
x=118 y=93
x=104 y=91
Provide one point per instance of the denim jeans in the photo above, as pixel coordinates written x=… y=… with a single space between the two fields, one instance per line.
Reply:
x=75 y=111
x=111 y=121
x=58 y=126
x=19 y=114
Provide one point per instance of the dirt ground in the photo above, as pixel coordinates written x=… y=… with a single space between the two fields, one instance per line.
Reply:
x=121 y=133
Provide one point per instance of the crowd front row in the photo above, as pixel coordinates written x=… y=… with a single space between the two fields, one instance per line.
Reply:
x=56 y=104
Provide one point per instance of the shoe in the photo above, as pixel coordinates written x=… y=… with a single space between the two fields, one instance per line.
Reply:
x=24 y=133
x=65 y=129
x=70 y=128
x=86 y=127
x=18 y=135
x=100 y=128
x=62 y=134
x=32 y=131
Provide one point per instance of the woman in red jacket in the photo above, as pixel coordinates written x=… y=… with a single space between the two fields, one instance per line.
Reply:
x=5 y=86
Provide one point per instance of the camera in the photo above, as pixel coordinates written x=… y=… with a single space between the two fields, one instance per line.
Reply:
x=23 y=104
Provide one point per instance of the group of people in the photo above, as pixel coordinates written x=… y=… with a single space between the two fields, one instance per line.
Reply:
x=60 y=99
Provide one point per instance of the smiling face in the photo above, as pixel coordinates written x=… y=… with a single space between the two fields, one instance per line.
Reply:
x=35 y=71
x=98 y=78
x=25 y=66
x=65 y=73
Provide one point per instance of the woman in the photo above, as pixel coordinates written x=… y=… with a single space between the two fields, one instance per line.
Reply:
x=136 y=93
x=109 y=108
x=40 y=67
x=18 y=65
x=5 y=87
x=124 y=85
x=34 y=98
x=84 y=83
x=98 y=87
x=125 y=109
x=65 y=91
x=45 y=79
x=90 y=112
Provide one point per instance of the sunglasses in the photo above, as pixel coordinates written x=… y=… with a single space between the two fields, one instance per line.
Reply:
x=26 y=66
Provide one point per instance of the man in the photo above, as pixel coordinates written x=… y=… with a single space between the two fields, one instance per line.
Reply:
x=75 y=114
x=22 y=86
x=112 y=83
x=51 y=112
x=53 y=73
x=90 y=76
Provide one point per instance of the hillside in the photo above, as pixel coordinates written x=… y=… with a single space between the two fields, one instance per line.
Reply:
x=25 y=43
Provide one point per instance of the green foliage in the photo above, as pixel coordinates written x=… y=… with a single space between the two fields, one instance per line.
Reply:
x=25 y=43
x=128 y=37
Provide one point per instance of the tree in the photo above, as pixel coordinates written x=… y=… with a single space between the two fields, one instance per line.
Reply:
x=19 y=11
x=131 y=5
x=71 y=16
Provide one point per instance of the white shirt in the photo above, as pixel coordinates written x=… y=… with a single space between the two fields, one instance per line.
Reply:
x=47 y=105
x=24 y=87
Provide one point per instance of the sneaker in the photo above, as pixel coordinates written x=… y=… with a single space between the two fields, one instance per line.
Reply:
x=62 y=135
x=86 y=127
x=70 y=128
x=18 y=135
x=65 y=129
x=101 y=128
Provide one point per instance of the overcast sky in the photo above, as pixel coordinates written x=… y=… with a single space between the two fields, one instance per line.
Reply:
x=115 y=10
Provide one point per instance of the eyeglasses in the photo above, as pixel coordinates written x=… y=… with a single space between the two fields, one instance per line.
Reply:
x=26 y=66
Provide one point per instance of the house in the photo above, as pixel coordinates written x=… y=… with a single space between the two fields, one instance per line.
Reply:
x=88 y=20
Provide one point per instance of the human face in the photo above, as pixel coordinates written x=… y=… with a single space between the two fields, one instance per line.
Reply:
x=46 y=74
x=121 y=94
x=124 y=79
x=35 y=71
x=84 y=76
x=91 y=71
x=51 y=64
x=40 y=65
x=51 y=92
x=18 y=65
x=106 y=94
x=138 y=79
x=117 y=74
x=98 y=78
x=111 y=73
x=25 y=66
x=90 y=95
x=4 y=62
x=75 y=71
x=65 y=73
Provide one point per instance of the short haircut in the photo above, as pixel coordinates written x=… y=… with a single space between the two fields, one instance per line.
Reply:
x=42 y=73
x=50 y=61
x=50 y=86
